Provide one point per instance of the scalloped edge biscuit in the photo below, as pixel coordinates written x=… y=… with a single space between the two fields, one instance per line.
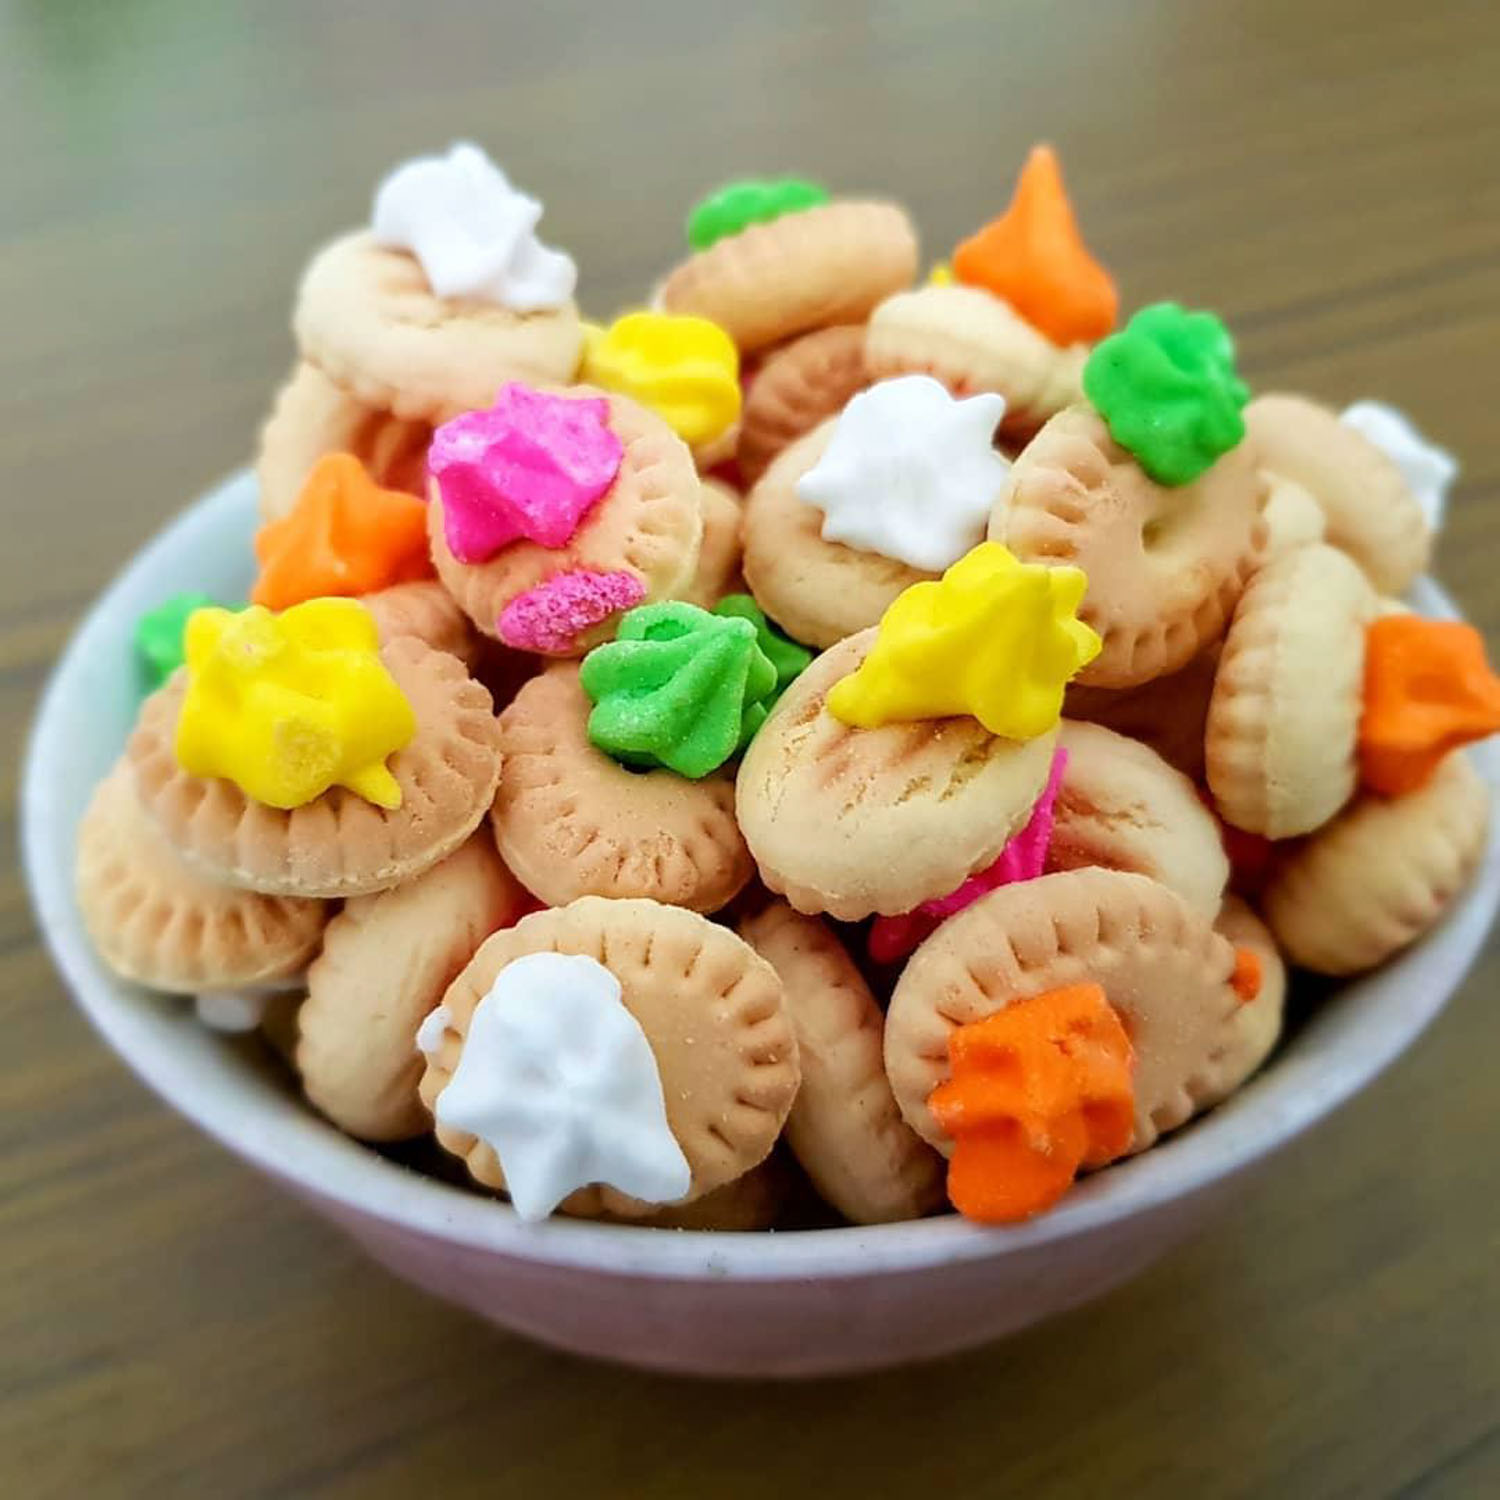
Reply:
x=338 y=844
x=853 y=821
x=367 y=318
x=156 y=921
x=805 y=270
x=1369 y=511
x=797 y=387
x=718 y=570
x=752 y=1202
x=1256 y=1026
x=426 y=610
x=973 y=341
x=1122 y=807
x=570 y=821
x=1282 y=733
x=712 y=1010
x=386 y=962
x=1161 y=965
x=649 y=522
x=844 y=1129
x=819 y=592
x=1168 y=713
x=1381 y=874
x=312 y=415
x=1165 y=565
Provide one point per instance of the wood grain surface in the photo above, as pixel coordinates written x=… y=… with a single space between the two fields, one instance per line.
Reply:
x=1322 y=174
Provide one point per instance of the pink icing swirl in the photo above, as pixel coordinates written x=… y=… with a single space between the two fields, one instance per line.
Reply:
x=1024 y=857
x=531 y=467
x=550 y=618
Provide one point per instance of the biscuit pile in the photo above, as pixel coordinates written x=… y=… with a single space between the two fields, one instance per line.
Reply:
x=823 y=726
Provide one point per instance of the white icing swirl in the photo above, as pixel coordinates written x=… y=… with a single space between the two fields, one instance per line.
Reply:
x=430 y=1033
x=237 y=1011
x=558 y=1078
x=1427 y=469
x=472 y=232
x=911 y=472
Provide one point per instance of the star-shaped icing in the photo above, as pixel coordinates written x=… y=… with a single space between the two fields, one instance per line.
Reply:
x=558 y=1078
x=345 y=536
x=911 y=472
x=287 y=706
x=1427 y=469
x=531 y=466
x=994 y=638
x=473 y=233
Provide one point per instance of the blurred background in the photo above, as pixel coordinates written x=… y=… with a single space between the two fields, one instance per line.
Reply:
x=1321 y=174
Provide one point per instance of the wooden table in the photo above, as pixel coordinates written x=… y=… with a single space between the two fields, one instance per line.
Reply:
x=1323 y=175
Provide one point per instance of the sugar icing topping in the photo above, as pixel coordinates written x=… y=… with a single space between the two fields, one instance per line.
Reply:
x=287 y=706
x=529 y=467
x=559 y=1079
x=473 y=233
x=911 y=472
x=994 y=638
x=678 y=687
x=685 y=369
x=1038 y=1090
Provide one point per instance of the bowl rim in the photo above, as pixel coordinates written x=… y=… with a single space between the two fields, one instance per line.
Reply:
x=316 y=1160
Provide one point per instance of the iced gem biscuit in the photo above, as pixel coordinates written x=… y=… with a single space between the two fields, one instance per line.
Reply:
x=810 y=266
x=427 y=611
x=685 y=369
x=311 y=416
x=1122 y=807
x=910 y=472
x=1370 y=510
x=344 y=536
x=433 y=789
x=1024 y=857
x=844 y=1128
x=1162 y=968
x=797 y=387
x=1038 y=1089
x=385 y=963
x=1166 y=561
x=654 y=1066
x=972 y=341
x=1033 y=258
x=893 y=745
x=447 y=295
x=157 y=921
x=1256 y=1027
x=719 y=554
x=1380 y=874
x=818 y=591
x=571 y=821
x=893 y=490
x=1167 y=713
x=560 y=526
x=1283 y=723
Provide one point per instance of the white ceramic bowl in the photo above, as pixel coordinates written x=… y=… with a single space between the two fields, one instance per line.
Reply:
x=811 y=1302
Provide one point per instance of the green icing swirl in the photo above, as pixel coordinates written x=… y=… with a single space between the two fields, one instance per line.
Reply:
x=751 y=200
x=677 y=687
x=789 y=658
x=1167 y=388
x=158 y=637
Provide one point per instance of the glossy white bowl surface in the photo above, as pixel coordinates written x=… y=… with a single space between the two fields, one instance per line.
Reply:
x=799 y=1303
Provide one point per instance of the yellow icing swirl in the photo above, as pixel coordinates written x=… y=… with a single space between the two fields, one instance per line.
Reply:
x=286 y=706
x=687 y=370
x=994 y=638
